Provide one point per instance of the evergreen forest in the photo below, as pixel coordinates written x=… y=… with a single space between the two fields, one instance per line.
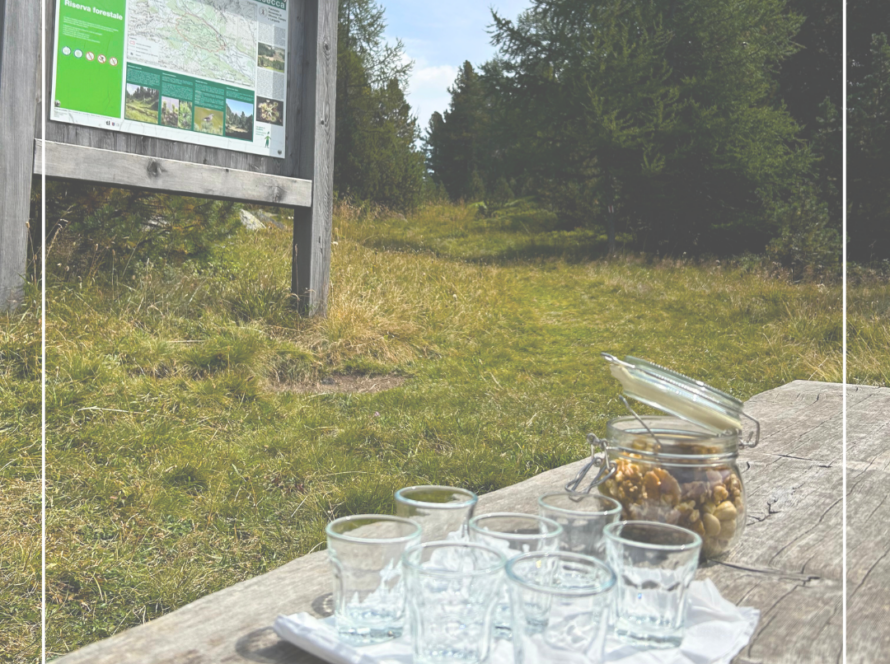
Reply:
x=697 y=126
x=670 y=127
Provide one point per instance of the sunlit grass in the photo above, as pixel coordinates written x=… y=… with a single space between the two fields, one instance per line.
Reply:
x=20 y=485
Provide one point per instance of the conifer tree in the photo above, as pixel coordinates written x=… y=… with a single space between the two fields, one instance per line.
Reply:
x=456 y=142
x=375 y=156
x=663 y=113
x=868 y=161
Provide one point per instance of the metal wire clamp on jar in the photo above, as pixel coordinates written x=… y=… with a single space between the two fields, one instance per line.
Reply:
x=680 y=469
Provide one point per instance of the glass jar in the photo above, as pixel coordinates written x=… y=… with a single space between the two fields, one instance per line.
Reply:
x=680 y=473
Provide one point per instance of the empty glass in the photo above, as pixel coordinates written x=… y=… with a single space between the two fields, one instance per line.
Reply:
x=655 y=563
x=582 y=517
x=512 y=535
x=452 y=590
x=561 y=607
x=442 y=511
x=365 y=553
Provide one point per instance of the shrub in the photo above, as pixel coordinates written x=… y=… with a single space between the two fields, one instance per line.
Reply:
x=806 y=242
x=98 y=227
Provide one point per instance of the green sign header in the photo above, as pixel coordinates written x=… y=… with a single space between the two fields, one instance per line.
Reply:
x=90 y=57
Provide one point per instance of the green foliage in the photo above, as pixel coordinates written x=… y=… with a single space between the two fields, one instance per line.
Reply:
x=457 y=143
x=828 y=147
x=475 y=187
x=664 y=114
x=814 y=73
x=868 y=158
x=806 y=241
x=375 y=157
x=662 y=120
x=362 y=27
x=94 y=226
x=500 y=194
x=810 y=84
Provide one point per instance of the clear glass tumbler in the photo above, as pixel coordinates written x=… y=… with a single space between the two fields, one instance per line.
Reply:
x=583 y=517
x=655 y=563
x=365 y=553
x=442 y=511
x=561 y=607
x=452 y=591
x=513 y=534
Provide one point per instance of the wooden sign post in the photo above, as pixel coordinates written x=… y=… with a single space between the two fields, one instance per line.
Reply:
x=301 y=177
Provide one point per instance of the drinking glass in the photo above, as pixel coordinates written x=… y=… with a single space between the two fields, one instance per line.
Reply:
x=512 y=535
x=442 y=511
x=655 y=563
x=365 y=553
x=452 y=590
x=582 y=517
x=561 y=607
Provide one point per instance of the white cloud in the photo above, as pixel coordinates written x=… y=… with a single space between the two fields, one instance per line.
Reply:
x=428 y=89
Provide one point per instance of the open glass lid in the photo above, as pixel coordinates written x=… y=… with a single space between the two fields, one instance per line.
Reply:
x=679 y=395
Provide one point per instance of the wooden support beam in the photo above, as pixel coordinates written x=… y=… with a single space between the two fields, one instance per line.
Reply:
x=118 y=169
x=19 y=49
x=315 y=159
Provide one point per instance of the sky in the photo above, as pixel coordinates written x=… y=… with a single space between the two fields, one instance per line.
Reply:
x=439 y=36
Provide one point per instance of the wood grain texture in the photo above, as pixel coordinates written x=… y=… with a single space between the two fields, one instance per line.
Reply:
x=61 y=132
x=19 y=51
x=788 y=564
x=868 y=526
x=75 y=162
x=310 y=275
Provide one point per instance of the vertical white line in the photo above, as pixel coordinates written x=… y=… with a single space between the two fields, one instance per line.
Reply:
x=43 y=333
x=844 y=344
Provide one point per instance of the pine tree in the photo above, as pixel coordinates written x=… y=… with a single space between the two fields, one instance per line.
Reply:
x=662 y=114
x=868 y=160
x=375 y=156
x=456 y=142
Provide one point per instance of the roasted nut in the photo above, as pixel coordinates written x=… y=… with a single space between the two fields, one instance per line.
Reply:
x=706 y=501
x=726 y=511
x=686 y=507
x=671 y=487
x=711 y=524
x=652 y=484
x=733 y=484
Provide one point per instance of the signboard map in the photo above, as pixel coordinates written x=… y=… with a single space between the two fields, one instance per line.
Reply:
x=208 y=72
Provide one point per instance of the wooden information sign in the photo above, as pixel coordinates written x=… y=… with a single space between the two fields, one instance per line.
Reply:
x=226 y=99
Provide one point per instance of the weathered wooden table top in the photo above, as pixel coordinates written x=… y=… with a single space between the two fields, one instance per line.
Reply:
x=788 y=565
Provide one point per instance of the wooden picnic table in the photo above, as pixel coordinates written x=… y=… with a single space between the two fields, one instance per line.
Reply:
x=788 y=564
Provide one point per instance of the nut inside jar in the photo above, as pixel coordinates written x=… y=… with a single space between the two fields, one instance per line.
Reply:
x=706 y=500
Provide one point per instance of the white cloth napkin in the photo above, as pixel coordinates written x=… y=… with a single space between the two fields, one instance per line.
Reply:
x=716 y=631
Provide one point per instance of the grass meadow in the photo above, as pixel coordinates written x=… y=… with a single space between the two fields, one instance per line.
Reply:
x=201 y=433
x=143 y=108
